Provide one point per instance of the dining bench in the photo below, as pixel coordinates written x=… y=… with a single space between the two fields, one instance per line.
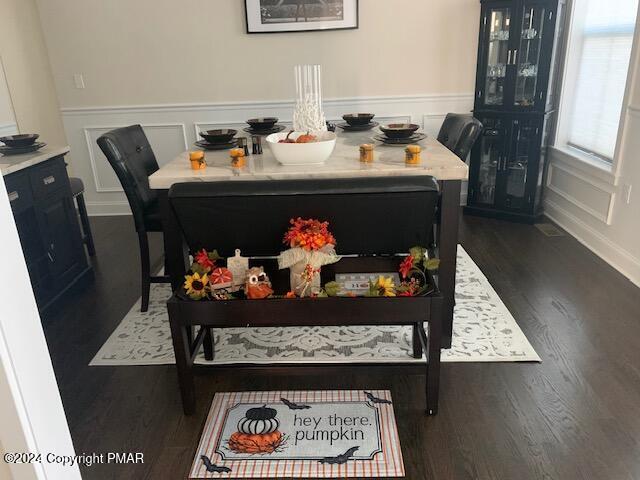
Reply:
x=375 y=221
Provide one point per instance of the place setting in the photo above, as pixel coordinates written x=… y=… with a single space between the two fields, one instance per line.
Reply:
x=219 y=139
x=20 y=144
x=399 y=134
x=358 y=122
x=263 y=126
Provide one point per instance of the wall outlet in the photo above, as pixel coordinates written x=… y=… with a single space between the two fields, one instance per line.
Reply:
x=626 y=193
x=78 y=79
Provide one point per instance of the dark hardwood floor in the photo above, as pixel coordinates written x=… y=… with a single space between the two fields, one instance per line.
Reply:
x=576 y=415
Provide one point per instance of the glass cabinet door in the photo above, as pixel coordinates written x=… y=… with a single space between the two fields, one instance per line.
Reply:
x=497 y=23
x=515 y=167
x=492 y=151
x=527 y=56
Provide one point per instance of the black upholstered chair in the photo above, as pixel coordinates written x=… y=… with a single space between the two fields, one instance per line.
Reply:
x=77 y=189
x=459 y=133
x=133 y=160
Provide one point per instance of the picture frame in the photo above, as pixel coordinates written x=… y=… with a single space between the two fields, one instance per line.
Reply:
x=279 y=16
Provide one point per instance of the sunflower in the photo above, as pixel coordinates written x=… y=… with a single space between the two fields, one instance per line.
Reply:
x=196 y=285
x=385 y=287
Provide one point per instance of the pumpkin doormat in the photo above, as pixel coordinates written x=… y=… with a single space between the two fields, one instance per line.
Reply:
x=300 y=434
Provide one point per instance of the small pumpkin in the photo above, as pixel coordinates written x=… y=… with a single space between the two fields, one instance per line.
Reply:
x=259 y=421
x=261 y=413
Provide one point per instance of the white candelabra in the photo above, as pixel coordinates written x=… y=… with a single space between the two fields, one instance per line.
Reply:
x=308 y=114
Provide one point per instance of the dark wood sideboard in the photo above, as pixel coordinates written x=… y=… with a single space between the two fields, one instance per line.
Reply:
x=45 y=214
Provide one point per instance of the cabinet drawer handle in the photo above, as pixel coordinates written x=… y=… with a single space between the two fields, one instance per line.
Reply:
x=49 y=180
x=13 y=196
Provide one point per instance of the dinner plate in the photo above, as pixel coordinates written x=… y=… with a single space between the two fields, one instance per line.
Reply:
x=357 y=128
x=276 y=129
x=20 y=150
x=216 y=146
x=416 y=137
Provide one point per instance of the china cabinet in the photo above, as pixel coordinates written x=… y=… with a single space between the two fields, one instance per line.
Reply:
x=515 y=100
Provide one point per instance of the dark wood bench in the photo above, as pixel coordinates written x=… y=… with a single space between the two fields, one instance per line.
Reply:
x=373 y=220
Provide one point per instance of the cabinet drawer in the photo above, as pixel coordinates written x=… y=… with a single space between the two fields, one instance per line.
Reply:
x=19 y=191
x=49 y=178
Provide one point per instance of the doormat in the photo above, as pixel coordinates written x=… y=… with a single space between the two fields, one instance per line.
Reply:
x=300 y=434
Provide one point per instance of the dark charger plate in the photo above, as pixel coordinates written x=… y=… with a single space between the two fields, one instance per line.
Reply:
x=20 y=150
x=357 y=128
x=216 y=146
x=275 y=129
x=415 y=138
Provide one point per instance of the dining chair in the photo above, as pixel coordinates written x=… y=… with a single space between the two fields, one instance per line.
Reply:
x=131 y=157
x=459 y=133
x=77 y=190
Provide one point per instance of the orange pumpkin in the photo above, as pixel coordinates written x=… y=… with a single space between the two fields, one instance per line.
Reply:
x=248 y=443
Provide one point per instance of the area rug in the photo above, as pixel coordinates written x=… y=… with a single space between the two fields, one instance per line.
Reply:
x=300 y=434
x=483 y=331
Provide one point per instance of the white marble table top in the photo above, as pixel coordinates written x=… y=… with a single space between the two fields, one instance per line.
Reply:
x=14 y=163
x=437 y=161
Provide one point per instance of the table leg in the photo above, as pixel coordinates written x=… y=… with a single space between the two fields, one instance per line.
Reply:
x=184 y=362
x=433 y=356
x=447 y=252
x=176 y=254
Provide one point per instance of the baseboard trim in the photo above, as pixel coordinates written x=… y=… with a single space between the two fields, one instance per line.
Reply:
x=620 y=259
x=107 y=209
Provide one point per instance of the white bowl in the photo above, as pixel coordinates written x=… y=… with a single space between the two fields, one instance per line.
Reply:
x=315 y=153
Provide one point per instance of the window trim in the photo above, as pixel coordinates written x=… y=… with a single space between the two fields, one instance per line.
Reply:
x=570 y=68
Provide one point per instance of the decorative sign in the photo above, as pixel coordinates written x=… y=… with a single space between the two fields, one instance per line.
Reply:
x=318 y=434
x=358 y=283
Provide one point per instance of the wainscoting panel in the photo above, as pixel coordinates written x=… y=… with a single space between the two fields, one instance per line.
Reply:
x=581 y=191
x=174 y=128
x=8 y=129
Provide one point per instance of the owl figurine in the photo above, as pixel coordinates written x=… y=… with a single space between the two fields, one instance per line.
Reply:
x=257 y=285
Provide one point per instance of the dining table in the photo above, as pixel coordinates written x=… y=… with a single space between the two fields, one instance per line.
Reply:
x=344 y=162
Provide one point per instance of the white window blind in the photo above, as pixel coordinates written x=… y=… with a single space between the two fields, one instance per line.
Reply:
x=601 y=43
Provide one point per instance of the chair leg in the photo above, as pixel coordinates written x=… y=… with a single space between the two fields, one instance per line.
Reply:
x=86 y=227
x=145 y=264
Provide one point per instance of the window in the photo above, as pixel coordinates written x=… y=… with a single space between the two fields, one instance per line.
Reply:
x=598 y=58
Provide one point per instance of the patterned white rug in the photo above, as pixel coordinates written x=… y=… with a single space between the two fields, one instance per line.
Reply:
x=483 y=331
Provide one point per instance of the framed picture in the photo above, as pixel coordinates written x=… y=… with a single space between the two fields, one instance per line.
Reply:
x=272 y=16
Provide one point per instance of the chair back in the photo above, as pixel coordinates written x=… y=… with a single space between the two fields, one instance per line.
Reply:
x=366 y=215
x=459 y=133
x=131 y=157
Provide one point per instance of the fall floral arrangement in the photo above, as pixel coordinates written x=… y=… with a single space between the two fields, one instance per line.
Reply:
x=312 y=245
x=208 y=281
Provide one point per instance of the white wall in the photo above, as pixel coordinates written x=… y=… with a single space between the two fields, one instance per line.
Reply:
x=192 y=51
x=5 y=473
x=590 y=203
x=7 y=118
x=28 y=72
x=178 y=66
x=32 y=419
